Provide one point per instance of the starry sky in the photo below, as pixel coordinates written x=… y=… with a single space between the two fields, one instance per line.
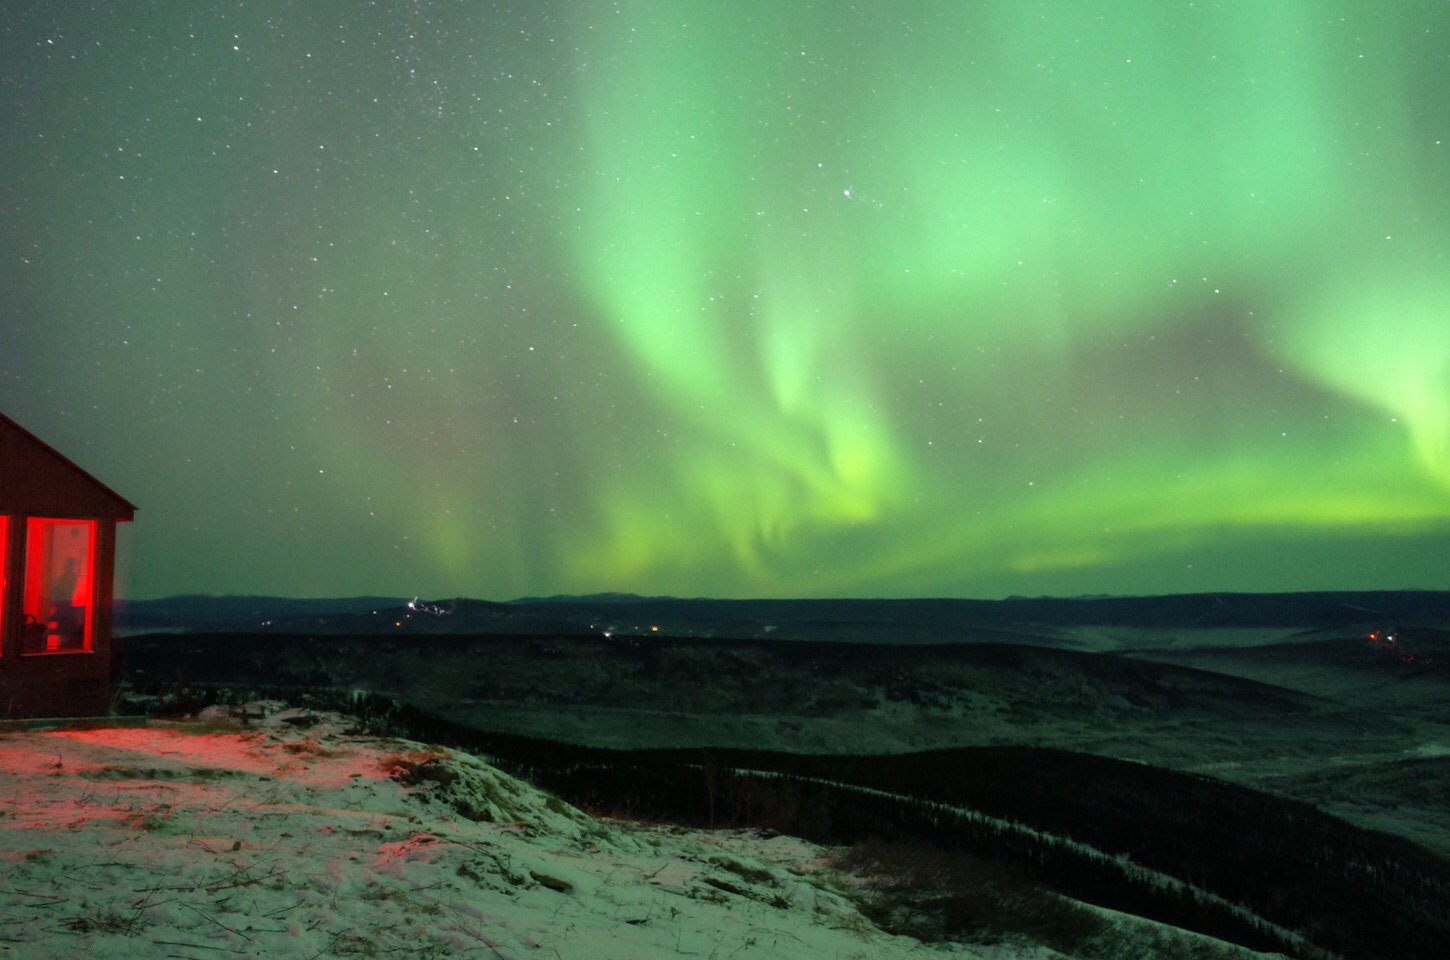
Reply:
x=759 y=298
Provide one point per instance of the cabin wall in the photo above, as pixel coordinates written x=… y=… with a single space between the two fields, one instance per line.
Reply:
x=56 y=685
x=37 y=481
x=11 y=614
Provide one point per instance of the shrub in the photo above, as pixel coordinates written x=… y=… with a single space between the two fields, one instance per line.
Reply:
x=939 y=895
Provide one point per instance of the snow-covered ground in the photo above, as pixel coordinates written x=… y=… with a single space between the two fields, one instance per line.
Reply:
x=213 y=840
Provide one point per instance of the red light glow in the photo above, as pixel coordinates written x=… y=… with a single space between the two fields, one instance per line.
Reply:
x=59 y=585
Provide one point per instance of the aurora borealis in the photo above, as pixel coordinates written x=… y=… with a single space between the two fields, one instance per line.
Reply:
x=758 y=298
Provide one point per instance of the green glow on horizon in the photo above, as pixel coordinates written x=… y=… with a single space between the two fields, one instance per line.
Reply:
x=760 y=298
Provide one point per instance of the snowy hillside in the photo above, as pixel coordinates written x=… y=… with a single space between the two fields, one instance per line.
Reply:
x=288 y=839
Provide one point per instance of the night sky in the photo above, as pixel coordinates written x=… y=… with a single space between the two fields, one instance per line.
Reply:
x=758 y=298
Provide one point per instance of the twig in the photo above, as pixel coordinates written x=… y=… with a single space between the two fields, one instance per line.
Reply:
x=49 y=899
x=335 y=937
x=288 y=909
x=229 y=883
x=482 y=938
x=214 y=920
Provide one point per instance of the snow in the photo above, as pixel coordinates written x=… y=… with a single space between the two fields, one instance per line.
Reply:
x=213 y=840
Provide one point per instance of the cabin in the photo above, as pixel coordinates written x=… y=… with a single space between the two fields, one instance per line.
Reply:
x=57 y=564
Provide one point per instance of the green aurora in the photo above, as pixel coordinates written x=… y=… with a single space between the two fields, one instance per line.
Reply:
x=752 y=299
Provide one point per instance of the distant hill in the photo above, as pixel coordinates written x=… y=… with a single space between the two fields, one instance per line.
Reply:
x=1042 y=620
x=192 y=612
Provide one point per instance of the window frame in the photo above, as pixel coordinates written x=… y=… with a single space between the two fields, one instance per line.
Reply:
x=52 y=578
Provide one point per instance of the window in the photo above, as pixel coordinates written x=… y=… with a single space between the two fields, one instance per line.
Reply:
x=59 y=585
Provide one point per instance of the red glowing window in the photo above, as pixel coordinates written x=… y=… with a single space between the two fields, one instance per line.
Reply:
x=59 y=584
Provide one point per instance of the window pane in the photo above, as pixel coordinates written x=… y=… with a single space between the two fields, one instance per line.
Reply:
x=58 y=585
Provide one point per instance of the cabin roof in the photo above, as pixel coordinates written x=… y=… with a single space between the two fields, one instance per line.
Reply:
x=38 y=480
